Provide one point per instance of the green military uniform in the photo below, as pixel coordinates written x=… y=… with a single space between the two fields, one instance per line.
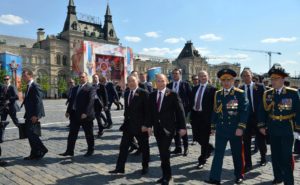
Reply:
x=230 y=113
x=279 y=113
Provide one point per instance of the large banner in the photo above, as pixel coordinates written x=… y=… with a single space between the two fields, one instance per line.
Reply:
x=112 y=61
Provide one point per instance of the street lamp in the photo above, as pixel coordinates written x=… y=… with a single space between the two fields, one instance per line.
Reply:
x=13 y=67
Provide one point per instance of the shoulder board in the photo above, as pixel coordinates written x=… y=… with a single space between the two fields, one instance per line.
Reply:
x=291 y=89
x=270 y=90
x=238 y=90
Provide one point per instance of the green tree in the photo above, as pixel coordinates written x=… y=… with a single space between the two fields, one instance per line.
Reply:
x=61 y=86
x=44 y=83
x=2 y=74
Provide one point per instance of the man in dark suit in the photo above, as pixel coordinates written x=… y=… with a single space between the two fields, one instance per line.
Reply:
x=112 y=96
x=81 y=112
x=100 y=103
x=34 y=111
x=134 y=125
x=166 y=115
x=201 y=112
x=10 y=94
x=143 y=81
x=183 y=89
x=254 y=93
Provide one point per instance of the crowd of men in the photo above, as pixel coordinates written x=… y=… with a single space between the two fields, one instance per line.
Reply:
x=234 y=114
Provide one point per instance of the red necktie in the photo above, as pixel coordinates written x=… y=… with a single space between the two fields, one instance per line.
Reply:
x=158 y=102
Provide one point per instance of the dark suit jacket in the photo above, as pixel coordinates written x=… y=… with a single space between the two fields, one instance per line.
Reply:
x=135 y=114
x=111 y=92
x=171 y=116
x=207 y=100
x=33 y=102
x=84 y=102
x=146 y=86
x=12 y=96
x=184 y=93
x=102 y=99
x=258 y=92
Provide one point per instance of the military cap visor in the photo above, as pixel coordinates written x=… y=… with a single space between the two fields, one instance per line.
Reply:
x=226 y=73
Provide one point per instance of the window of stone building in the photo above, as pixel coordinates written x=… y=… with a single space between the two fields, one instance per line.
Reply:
x=58 y=59
x=65 y=60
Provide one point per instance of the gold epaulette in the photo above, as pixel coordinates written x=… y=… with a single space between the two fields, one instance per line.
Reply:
x=291 y=89
x=238 y=90
x=242 y=125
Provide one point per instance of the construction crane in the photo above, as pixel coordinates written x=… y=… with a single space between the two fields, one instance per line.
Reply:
x=269 y=53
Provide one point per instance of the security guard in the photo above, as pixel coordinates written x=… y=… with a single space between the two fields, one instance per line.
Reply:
x=280 y=111
x=228 y=122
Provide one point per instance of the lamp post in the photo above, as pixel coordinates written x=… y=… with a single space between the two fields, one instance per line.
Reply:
x=13 y=67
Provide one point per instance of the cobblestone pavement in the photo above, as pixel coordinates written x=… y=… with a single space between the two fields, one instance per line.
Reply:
x=54 y=169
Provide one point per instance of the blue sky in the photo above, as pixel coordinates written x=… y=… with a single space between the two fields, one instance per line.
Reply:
x=161 y=27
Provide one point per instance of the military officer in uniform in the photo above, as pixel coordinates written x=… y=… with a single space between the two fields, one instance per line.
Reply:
x=279 y=112
x=228 y=123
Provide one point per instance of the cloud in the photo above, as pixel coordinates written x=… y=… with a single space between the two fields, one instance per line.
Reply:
x=125 y=20
x=174 y=40
x=12 y=19
x=162 y=52
x=289 y=62
x=227 y=57
x=132 y=39
x=298 y=53
x=152 y=34
x=276 y=40
x=210 y=37
x=203 y=51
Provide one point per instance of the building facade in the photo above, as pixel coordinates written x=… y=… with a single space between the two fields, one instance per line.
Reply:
x=189 y=61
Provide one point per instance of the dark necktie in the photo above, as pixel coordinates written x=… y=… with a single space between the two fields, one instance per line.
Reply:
x=5 y=89
x=198 y=102
x=158 y=101
x=226 y=92
x=130 y=97
x=249 y=98
x=278 y=92
x=175 y=87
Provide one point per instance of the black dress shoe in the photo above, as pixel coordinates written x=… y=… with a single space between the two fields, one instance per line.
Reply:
x=100 y=134
x=42 y=154
x=239 y=180
x=200 y=166
x=117 y=171
x=185 y=152
x=263 y=162
x=144 y=171
x=89 y=153
x=277 y=181
x=31 y=157
x=176 y=151
x=248 y=168
x=160 y=180
x=210 y=181
x=3 y=163
x=167 y=181
x=67 y=154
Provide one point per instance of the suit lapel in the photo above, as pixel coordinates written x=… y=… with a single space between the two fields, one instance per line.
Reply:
x=163 y=103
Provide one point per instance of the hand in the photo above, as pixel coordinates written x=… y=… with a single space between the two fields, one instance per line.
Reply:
x=182 y=132
x=212 y=132
x=149 y=130
x=239 y=132
x=263 y=131
x=67 y=115
x=83 y=116
x=144 y=129
x=34 y=119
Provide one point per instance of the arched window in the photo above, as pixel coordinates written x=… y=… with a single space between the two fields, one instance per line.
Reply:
x=58 y=59
x=65 y=60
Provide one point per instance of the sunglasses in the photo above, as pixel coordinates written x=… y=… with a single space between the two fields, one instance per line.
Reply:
x=6 y=79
